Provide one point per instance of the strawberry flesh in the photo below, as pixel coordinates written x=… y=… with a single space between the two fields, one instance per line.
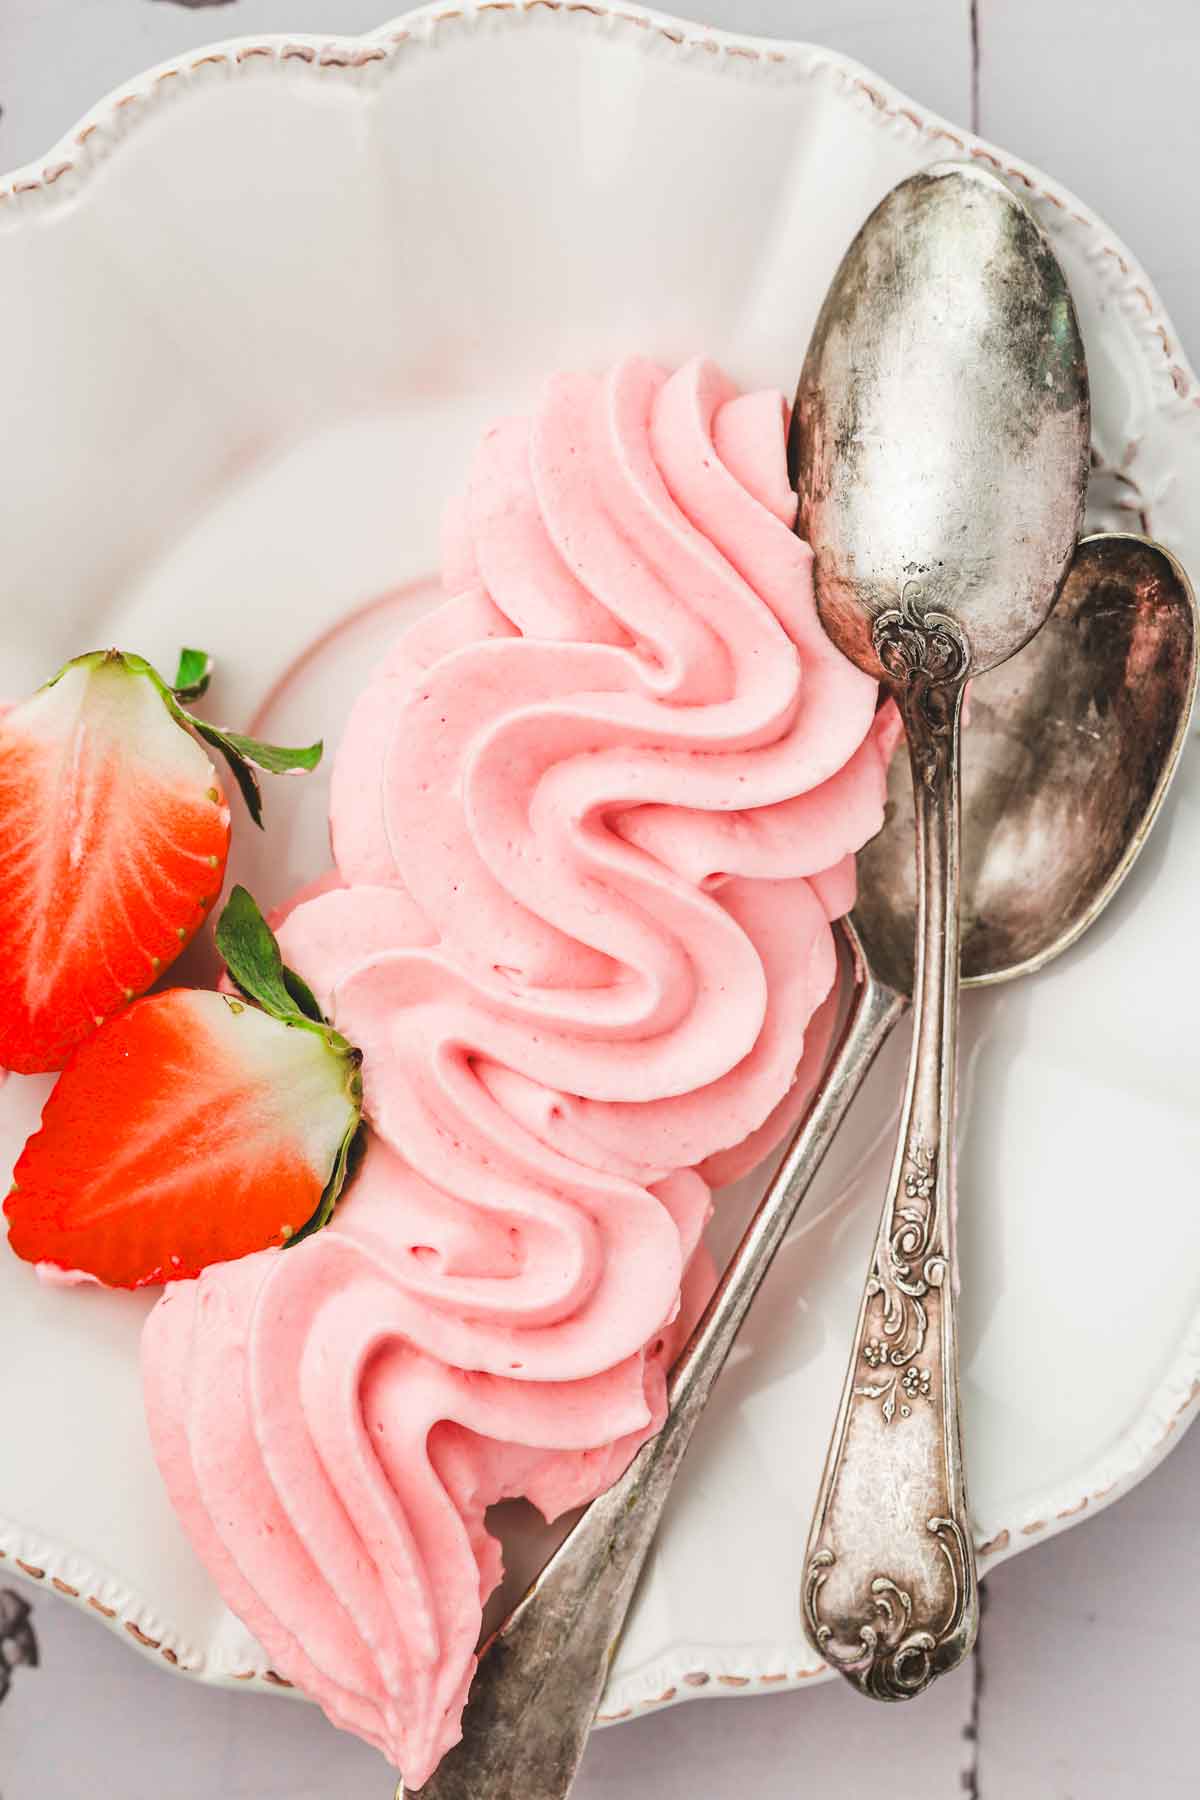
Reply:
x=114 y=835
x=190 y=1130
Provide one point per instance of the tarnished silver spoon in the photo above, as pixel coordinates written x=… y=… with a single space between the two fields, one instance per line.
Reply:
x=940 y=447
x=1072 y=744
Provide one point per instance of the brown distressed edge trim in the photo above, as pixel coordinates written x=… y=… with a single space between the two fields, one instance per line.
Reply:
x=35 y=1573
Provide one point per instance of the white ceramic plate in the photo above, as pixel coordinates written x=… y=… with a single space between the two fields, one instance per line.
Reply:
x=255 y=309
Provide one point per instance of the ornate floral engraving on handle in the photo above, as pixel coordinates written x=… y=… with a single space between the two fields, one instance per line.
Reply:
x=889 y=1584
x=926 y=654
x=912 y=1261
x=890 y=1597
x=897 y=1662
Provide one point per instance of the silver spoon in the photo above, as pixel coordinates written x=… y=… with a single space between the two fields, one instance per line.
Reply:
x=934 y=336
x=940 y=438
x=1074 y=743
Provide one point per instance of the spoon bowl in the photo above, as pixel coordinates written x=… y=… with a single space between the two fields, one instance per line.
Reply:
x=939 y=444
x=1068 y=752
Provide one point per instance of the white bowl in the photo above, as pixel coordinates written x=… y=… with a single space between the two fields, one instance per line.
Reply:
x=255 y=309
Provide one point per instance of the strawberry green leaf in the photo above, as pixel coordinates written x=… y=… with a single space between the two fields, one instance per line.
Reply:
x=275 y=759
x=302 y=994
x=241 y=771
x=252 y=957
x=245 y=754
x=193 y=674
x=346 y=1165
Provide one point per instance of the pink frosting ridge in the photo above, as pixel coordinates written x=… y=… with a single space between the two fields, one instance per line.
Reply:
x=591 y=821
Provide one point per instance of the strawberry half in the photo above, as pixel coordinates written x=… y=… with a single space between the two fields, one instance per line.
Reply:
x=114 y=834
x=192 y=1128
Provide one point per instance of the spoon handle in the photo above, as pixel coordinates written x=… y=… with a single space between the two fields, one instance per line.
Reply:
x=890 y=1593
x=541 y=1676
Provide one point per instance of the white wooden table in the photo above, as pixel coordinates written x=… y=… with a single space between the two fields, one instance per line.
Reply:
x=1084 y=1686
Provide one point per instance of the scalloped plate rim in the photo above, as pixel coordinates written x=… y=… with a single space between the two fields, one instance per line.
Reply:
x=688 y=1670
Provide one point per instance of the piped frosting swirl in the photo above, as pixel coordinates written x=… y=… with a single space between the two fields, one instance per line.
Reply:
x=591 y=821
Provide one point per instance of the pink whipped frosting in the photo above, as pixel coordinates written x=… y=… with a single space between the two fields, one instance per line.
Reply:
x=591 y=822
